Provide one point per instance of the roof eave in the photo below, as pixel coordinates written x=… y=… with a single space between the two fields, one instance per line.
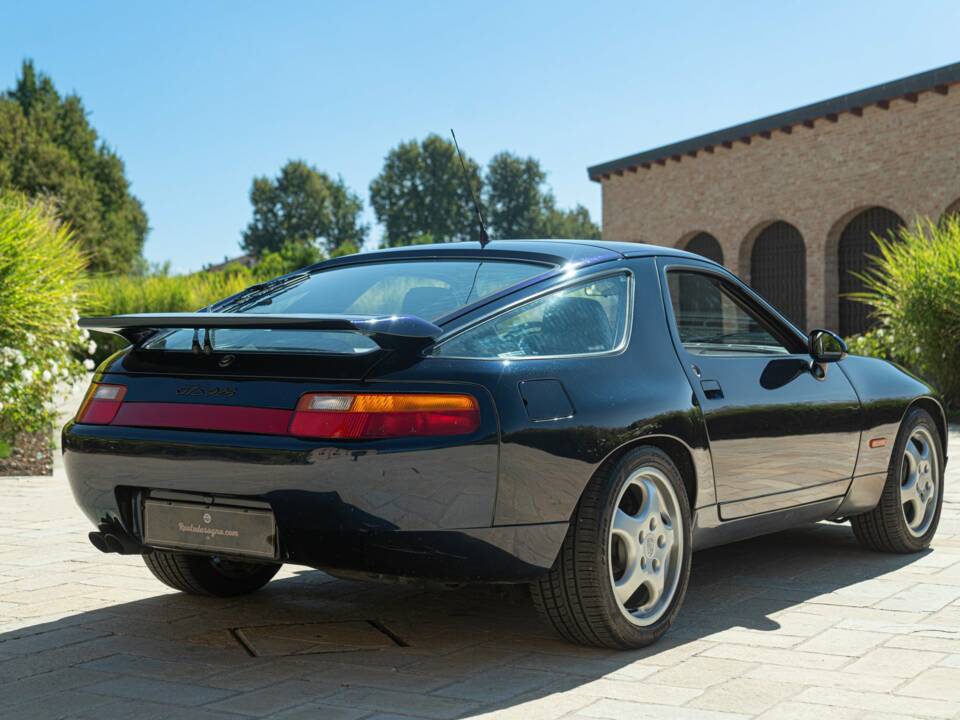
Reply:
x=908 y=87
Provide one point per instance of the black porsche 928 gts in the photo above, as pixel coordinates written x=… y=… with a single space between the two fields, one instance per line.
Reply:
x=579 y=416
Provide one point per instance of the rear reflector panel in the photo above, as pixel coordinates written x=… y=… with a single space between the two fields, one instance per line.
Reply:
x=347 y=416
x=224 y=418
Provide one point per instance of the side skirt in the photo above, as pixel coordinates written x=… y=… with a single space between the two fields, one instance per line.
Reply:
x=709 y=530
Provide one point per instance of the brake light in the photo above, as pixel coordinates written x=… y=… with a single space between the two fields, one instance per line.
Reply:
x=384 y=415
x=101 y=404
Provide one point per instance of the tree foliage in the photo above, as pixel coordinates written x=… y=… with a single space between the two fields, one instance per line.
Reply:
x=420 y=195
x=520 y=205
x=421 y=192
x=573 y=223
x=303 y=206
x=514 y=198
x=48 y=149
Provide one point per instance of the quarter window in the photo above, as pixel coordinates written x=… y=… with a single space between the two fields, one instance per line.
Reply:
x=581 y=320
x=712 y=320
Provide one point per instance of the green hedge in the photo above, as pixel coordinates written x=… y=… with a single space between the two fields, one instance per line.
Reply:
x=913 y=286
x=123 y=294
x=162 y=292
x=41 y=348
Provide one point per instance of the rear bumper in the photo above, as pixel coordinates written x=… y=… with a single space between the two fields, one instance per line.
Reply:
x=419 y=510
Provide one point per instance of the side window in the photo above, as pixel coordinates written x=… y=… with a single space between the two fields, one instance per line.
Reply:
x=580 y=320
x=712 y=320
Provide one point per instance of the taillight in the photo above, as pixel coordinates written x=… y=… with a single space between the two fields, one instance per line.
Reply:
x=384 y=415
x=101 y=404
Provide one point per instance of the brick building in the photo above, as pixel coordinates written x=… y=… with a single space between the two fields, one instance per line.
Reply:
x=789 y=202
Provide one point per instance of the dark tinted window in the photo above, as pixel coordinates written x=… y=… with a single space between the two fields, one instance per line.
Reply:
x=580 y=320
x=427 y=289
x=712 y=320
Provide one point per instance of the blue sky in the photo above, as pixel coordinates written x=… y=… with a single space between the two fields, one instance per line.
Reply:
x=200 y=97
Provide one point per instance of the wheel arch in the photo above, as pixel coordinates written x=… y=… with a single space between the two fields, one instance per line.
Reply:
x=939 y=415
x=677 y=450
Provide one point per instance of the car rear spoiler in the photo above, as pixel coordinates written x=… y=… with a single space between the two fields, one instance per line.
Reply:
x=390 y=332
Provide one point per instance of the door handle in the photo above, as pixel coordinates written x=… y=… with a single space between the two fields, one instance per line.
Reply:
x=711 y=389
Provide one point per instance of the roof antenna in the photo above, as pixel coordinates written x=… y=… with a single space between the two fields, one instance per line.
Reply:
x=484 y=238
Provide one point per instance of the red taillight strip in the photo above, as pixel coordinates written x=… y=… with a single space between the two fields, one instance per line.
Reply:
x=101 y=404
x=347 y=416
x=187 y=416
x=368 y=416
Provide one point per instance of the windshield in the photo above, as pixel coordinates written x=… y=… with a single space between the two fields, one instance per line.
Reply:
x=428 y=289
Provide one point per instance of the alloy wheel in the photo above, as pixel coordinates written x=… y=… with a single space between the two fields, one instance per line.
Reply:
x=919 y=478
x=646 y=546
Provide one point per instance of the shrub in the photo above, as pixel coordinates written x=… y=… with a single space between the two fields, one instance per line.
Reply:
x=123 y=294
x=914 y=288
x=41 y=269
x=162 y=292
x=873 y=343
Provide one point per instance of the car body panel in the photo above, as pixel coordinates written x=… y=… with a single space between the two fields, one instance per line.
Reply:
x=886 y=392
x=768 y=414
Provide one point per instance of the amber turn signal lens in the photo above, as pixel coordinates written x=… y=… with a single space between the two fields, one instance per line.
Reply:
x=384 y=415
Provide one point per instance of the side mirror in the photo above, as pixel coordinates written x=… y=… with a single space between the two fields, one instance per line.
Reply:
x=826 y=346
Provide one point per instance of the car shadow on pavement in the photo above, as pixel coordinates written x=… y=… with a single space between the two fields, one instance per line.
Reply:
x=339 y=649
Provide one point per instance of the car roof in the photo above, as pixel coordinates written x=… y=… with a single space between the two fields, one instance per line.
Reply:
x=554 y=252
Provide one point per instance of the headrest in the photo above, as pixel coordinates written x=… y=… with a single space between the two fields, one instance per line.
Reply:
x=429 y=302
x=575 y=325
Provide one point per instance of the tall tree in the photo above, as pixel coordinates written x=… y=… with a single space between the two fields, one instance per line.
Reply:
x=421 y=192
x=304 y=206
x=514 y=197
x=574 y=223
x=48 y=148
x=520 y=204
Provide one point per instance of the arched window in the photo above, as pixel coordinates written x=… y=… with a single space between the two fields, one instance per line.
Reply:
x=706 y=245
x=952 y=209
x=857 y=243
x=778 y=270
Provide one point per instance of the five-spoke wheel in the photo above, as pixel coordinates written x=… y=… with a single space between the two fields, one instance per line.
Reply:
x=906 y=517
x=645 y=548
x=624 y=566
x=920 y=478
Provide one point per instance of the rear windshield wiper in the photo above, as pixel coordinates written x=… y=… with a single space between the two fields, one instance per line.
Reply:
x=256 y=292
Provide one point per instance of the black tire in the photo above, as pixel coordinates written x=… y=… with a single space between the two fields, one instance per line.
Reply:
x=577 y=596
x=208 y=575
x=885 y=528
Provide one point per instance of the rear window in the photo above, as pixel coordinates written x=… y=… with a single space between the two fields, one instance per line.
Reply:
x=426 y=289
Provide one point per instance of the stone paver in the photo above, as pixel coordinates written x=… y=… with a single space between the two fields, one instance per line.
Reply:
x=802 y=624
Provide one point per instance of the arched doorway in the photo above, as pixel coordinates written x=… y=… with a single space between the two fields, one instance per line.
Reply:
x=706 y=245
x=952 y=210
x=778 y=270
x=857 y=243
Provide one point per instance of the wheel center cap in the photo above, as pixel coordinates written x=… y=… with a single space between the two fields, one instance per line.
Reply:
x=649 y=546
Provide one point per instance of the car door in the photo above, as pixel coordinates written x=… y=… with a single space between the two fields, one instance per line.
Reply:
x=783 y=431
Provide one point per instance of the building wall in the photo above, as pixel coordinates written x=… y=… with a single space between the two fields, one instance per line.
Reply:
x=905 y=158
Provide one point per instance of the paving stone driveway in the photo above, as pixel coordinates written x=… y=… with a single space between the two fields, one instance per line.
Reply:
x=800 y=624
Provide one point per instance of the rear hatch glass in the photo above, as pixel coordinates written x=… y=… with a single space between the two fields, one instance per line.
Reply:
x=428 y=289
